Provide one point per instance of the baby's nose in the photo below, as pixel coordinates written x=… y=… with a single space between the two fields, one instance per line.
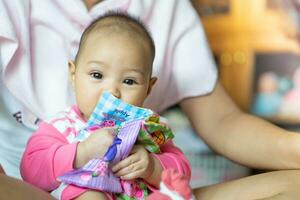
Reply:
x=115 y=91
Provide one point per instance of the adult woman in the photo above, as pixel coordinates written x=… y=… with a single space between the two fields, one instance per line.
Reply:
x=38 y=37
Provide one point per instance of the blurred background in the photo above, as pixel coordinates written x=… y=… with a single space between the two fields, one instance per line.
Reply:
x=257 y=49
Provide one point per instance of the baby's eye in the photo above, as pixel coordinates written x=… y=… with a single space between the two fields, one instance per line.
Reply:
x=96 y=75
x=129 y=81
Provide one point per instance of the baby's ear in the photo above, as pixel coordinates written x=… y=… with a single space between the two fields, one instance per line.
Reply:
x=151 y=83
x=72 y=69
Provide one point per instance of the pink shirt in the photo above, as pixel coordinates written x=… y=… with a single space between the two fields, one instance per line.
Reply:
x=51 y=151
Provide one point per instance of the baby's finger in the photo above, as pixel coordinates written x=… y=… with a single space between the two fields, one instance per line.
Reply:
x=110 y=129
x=131 y=175
x=113 y=130
x=128 y=169
x=123 y=163
x=136 y=148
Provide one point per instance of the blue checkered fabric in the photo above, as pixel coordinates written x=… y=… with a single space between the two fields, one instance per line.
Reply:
x=109 y=106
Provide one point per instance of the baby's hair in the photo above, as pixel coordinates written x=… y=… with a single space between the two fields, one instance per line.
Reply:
x=118 y=21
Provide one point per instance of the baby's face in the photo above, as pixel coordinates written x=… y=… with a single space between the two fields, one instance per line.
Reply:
x=114 y=63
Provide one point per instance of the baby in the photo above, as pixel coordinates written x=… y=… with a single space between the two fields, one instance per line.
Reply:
x=116 y=54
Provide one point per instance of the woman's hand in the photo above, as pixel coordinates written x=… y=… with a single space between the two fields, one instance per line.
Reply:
x=95 y=146
x=139 y=164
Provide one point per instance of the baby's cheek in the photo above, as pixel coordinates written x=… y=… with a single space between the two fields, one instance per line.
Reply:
x=86 y=109
x=137 y=100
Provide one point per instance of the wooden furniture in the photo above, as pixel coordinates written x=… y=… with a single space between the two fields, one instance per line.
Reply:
x=239 y=29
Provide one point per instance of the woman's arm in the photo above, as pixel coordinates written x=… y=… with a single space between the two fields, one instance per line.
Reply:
x=241 y=137
x=276 y=185
x=11 y=188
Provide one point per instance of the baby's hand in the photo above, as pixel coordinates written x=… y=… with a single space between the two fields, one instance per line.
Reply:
x=139 y=164
x=95 y=146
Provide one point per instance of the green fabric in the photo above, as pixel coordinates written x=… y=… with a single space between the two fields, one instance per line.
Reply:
x=141 y=193
x=154 y=134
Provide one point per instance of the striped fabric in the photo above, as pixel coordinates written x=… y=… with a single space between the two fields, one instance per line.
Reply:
x=129 y=118
x=84 y=176
x=135 y=124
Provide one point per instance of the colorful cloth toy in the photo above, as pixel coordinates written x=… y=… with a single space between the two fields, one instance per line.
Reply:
x=96 y=174
x=135 y=125
x=111 y=111
x=154 y=133
x=174 y=186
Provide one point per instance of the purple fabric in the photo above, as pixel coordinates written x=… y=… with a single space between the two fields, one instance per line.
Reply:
x=128 y=134
x=84 y=177
x=112 y=150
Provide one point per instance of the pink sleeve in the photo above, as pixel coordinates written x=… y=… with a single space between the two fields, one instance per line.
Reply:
x=47 y=155
x=173 y=157
x=72 y=191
